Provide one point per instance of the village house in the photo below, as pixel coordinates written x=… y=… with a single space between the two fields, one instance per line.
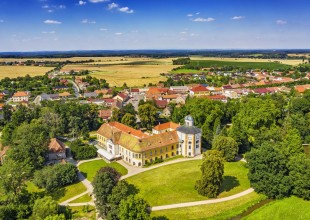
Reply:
x=56 y=150
x=138 y=149
x=105 y=114
x=134 y=92
x=302 y=88
x=21 y=96
x=199 y=91
x=179 y=89
x=90 y=95
x=122 y=97
x=65 y=95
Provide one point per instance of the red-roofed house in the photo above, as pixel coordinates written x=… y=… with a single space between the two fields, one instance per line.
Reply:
x=121 y=97
x=217 y=98
x=302 y=88
x=166 y=127
x=199 y=91
x=161 y=103
x=105 y=114
x=56 y=150
x=21 y=96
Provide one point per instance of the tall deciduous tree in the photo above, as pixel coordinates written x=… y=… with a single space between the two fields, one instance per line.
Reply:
x=104 y=182
x=212 y=170
x=134 y=208
x=147 y=114
x=129 y=120
x=299 y=173
x=268 y=172
x=44 y=207
x=227 y=145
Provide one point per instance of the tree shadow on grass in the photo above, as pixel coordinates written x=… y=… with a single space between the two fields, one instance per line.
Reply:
x=229 y=182
x=84 y=174
x=133 y=190
x=58 y=193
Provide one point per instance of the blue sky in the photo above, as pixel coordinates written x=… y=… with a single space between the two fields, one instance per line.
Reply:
x=37 y=25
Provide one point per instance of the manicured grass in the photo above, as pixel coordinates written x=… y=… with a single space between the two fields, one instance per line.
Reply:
x=68 y=192
x=90 y=169
x=80 y=212
x=290 y=208
x=224 y=210
x=85 y=198
x=175 y=183
x=63 y=193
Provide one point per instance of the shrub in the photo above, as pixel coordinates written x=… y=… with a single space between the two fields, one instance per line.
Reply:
x=81 y=151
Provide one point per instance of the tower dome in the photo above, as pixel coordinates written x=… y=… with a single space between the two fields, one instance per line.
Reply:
x=189 y=120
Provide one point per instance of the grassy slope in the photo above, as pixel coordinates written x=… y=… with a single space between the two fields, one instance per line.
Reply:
x=90 y=169
x=175 y=183
x=63 y=193
x=85 y=198
x=290 y=208
x=224 y=210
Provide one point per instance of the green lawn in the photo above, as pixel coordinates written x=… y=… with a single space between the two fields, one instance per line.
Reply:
x=85 y=198
x=224 y=210
x=68 y=192
x=290 y=208
x=63 y=193
x=90 y=169
x=175 y=183
x=81 y=212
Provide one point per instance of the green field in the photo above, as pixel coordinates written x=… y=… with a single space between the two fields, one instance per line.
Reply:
x=224 y=210
x=199 y=64
x=85 y=198
x=175 y=183
x=90 y=169
x=80 y=212
x=292 y=208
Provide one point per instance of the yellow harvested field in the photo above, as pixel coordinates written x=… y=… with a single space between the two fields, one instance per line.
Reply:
x=133 y=75
x=289 y=62
x=15 y=71
x=307 y=55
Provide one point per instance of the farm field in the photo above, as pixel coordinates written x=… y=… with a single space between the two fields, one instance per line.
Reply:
x=89 y=169
x=283 y=61
x=175 y=183
x=15 y=71
x=307 y=55
x=131 y=74
x=288 y=208
x=224 y=210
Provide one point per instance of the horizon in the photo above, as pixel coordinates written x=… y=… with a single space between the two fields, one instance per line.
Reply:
x=88 y=25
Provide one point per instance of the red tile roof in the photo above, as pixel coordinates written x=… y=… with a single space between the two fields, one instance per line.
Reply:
x=199 y=89
x=20 y=94
x=56 y=146
x=165 y=126
x=125 y=129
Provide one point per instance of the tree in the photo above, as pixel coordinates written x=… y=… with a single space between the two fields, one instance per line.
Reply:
x=81 y=151
x=104 y=182
x=227 y=145
x=147 y=114
x=44 y=207
x=29 y=144
x=134 y=208
x=129 y=120
x=212 y=170
x=268 y=172
x=299 y=173
x=119 y=192
x=56 y=176
x=12 y=179
x=116 y=115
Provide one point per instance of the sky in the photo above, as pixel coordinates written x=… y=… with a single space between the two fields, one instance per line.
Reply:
x=49 y=25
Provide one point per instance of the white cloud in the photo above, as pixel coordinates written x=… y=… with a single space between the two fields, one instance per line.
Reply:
x=189 y=15
x=61 y=6
x=82 y=2
x=118 y=34
x=86 y=21
x=237 y=17
x=50 y=10
x=197 y=13
x=183 y=32
x=203 y=19
x=103 y=29
x=193 y=35
x=52 y=22
x=126 y=10
x=45 y=6
x=98 y=1
x=1 y=21
x=48 y=32
x=112 y=5
x=281 y=22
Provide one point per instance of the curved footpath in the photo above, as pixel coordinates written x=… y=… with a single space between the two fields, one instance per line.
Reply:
x=136 y=170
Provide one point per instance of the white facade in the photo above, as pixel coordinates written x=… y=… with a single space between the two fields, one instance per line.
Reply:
x=20 y=98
